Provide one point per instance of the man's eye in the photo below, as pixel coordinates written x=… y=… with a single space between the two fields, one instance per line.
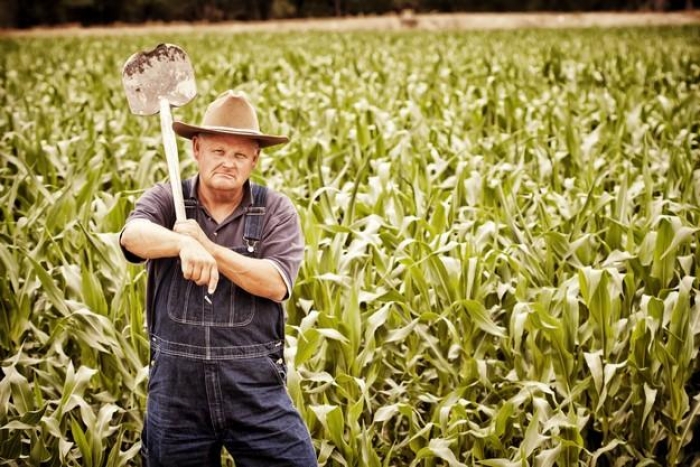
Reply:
x=218 y=152
x=241 y=156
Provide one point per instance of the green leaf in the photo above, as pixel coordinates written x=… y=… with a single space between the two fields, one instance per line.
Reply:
x=596 y=367
x=39 y=452
x=439 y=448
x=533 y=437
x=649 y=400
x=307 y=345
x=385 y=413
x=478 y=313
x=502 y=462
x=20 y=390
x=80 y=439
x=48 y=284
x=548 y=457
x=502 y=418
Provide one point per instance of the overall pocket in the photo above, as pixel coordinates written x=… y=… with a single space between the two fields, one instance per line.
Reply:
x=228 y=306
x=279 y=368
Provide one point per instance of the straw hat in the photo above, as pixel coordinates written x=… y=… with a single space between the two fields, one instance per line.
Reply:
x=230 y=114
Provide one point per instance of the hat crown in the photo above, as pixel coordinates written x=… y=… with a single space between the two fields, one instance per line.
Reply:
x=231 y=110
x=230 y=114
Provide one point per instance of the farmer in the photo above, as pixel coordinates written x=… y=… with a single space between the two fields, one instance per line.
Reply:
x=216 y=284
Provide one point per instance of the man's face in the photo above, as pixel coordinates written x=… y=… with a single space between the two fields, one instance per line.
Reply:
x=225 y=161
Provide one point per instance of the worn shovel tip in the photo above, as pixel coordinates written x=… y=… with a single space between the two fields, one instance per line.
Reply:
x=164 y=72
x=140 y=61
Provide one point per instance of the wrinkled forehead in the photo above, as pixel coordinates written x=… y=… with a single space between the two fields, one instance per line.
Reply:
x=234 y=142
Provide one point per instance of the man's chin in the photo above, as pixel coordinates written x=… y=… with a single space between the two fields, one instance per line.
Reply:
x=226 y=186
x=224 y=180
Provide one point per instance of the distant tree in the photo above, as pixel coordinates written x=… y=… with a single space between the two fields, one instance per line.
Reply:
x=40 y=12
x=8 y=14
x=28 y=13
x=299 y=6
x=255 y=10
x=264 y=9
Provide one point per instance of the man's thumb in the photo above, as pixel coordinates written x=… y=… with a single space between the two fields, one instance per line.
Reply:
x=213 y=281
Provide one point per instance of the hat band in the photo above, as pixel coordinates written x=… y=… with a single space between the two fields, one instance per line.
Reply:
x=229 y=129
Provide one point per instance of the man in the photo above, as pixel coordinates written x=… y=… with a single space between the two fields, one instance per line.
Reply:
x=215 y=286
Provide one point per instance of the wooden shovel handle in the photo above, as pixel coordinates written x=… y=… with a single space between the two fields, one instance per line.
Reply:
x=170 y=145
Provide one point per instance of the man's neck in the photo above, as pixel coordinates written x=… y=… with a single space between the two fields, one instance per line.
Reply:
x=220 y=205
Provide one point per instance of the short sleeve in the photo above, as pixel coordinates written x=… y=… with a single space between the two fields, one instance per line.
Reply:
x=154 y=205
x=282 y=241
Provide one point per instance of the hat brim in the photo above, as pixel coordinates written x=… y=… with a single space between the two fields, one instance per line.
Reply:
x=189 y=131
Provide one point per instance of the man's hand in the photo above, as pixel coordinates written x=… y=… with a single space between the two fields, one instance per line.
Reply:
x=190 y=228
x=198 y=264
x=257 y=276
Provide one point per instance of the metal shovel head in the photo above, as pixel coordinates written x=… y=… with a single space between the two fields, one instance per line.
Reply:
x=164 y=72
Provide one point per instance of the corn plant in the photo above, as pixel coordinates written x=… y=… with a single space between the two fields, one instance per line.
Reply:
x=502 y=236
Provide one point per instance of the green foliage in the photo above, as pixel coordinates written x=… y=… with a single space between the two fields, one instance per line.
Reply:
x=502 y=242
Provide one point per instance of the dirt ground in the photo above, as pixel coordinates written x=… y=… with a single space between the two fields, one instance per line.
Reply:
x=404 y=21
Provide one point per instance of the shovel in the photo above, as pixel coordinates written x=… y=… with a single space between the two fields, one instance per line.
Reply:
x=154 y=80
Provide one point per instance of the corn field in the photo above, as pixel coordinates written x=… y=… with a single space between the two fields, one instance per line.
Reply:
x=502 y=236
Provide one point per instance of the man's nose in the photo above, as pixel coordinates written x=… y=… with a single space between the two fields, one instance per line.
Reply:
x=229 y=160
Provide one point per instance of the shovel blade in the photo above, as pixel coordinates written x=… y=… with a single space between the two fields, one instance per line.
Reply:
x=162 y=73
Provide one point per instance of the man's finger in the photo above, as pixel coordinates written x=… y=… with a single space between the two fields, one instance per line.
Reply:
x=197 y=271
x=186 y=269
x=179 y=226
x=213 y=280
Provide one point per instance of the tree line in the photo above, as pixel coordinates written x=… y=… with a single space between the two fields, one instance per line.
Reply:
x=29 y=13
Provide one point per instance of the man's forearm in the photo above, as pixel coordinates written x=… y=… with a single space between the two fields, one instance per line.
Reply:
x=256 y=276
x=150 y=241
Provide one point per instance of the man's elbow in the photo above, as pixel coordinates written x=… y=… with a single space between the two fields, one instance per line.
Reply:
x=126 y=239
x=278 y=293
x=277 y=290
x=131 y=237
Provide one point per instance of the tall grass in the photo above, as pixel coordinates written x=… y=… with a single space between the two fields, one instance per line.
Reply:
x=502 y=242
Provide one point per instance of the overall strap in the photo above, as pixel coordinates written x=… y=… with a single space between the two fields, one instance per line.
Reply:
x=190 y=201
x=254 y=217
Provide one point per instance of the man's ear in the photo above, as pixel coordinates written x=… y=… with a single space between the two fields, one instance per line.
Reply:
x=256 y=156
x=195 y=147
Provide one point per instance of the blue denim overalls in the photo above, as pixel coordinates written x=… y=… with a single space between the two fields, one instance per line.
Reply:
x=217 y=375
